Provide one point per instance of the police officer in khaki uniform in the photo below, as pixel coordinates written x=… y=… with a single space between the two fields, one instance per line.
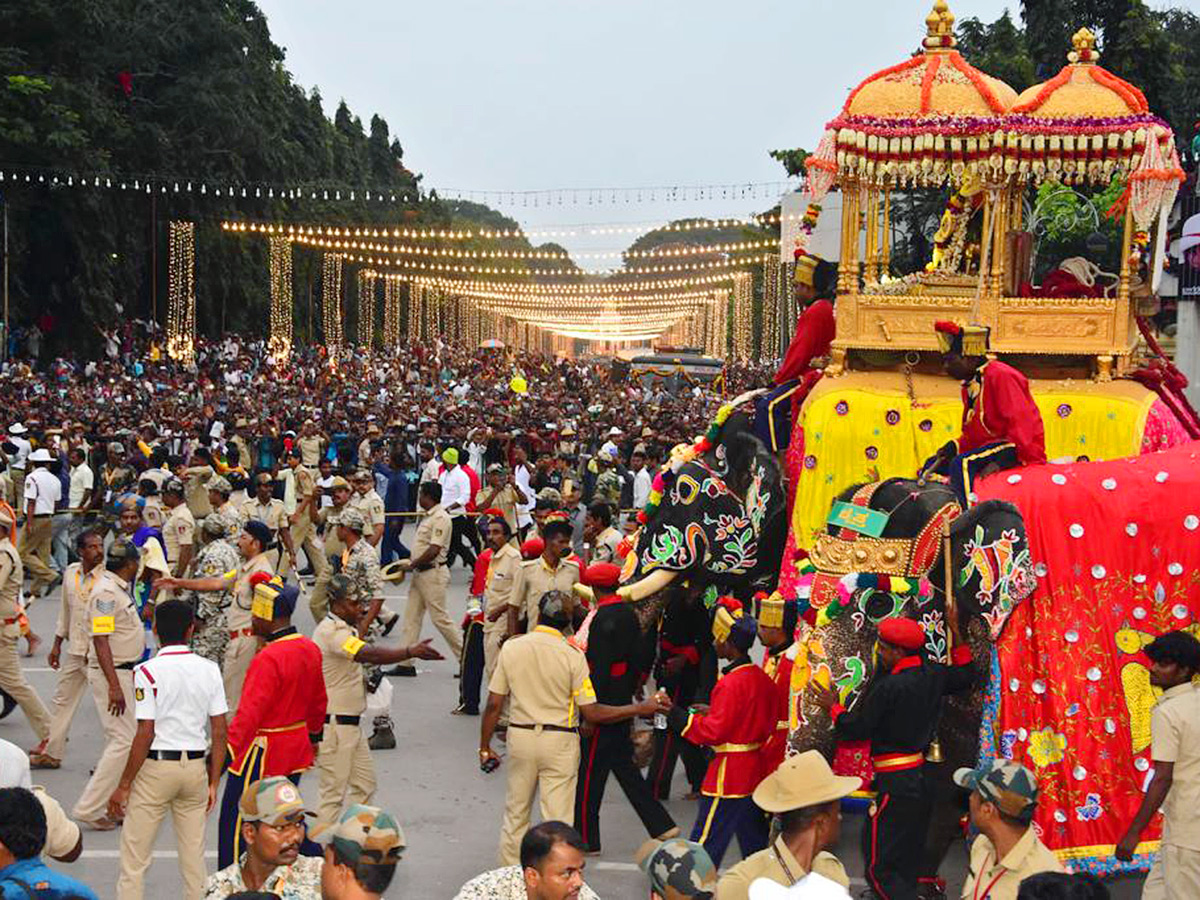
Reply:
x=303 y=527
x=497 y=591
x=179 y=529
x=547 y=683
x=42 y=492
x=152 y=511
x=347 y=773
x=195 y=483
x=551 y=571
x=73 y=628
x=430 y=575
x=367 y=501
x=118 y=642
x=12 y=678
x=272 y=513
x=339 y=492
x=254 y=537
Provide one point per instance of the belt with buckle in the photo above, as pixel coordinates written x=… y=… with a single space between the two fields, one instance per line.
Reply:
x=343 y=720
x=175 y=755
x=126 y=665
x=543 y=727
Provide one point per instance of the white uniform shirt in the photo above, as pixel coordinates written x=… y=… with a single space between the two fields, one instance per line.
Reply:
x=456 y=489
x=641 y=487
x=179 y=691
x=24 y=448
x=14 y=767
x=521 y=477
x=326 y=498
x=43 y=488
x=83 y=479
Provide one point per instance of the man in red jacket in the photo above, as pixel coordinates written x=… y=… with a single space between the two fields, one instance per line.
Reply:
x=739 y=719
x=1002 y=427
x=282 y=712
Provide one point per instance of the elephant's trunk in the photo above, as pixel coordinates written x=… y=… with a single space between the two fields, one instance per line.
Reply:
x=645 y=587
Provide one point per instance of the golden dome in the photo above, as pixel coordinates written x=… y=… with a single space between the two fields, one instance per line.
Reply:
x=936 y=82
x=1082 y=89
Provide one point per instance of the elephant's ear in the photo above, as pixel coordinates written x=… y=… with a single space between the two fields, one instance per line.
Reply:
x=992 y=570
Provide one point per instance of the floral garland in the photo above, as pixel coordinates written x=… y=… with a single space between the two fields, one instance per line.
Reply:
x=679 y=456
x=852 y=583
x=808 y=224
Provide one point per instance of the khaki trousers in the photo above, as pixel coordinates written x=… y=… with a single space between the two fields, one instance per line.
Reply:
x=1175 y=875
x=72 y=685
x=13 y=683
x=304 y=537
x=18 y=490
x=35 y=552
x=177 y=786
x=347 y=773
x=318 y=601
x=428 y=592
x=239 y=653
x=543 y=761
x=118 y=736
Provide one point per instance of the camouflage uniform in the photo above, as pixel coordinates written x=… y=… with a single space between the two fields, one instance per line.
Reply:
x=217 y=557
x=608 y=489
x=678 y=868
x=361 y=565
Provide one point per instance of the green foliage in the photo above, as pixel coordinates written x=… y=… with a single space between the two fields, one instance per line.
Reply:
x=1000 y=49
x=792 y=160
x=1074 y=222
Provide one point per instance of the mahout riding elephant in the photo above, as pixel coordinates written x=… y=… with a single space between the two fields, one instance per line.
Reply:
x=988 y=574
x=721 y=524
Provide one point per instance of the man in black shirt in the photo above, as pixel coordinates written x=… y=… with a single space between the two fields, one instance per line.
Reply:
x=898 y=714
x=613 y=651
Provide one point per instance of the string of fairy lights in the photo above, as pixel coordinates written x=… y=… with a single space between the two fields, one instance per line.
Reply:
x=279 y=344
x=181 y=292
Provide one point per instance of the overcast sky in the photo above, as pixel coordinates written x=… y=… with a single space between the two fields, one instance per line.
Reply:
x=515 y=95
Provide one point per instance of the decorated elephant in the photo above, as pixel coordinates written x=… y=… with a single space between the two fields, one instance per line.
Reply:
x=717 y=519
x=885 y=557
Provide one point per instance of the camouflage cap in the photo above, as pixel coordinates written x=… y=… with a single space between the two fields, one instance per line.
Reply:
x=1007 y=784
x=555 y=603
x=352 y=519
x=217 y=524
x=220 y=484
x=171 y=486
x=367 y=835
x=121 y=552
x=362 y=475
x=272 y=801
x=678 y=869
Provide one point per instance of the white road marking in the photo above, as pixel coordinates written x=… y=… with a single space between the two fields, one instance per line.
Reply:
x=157 y=854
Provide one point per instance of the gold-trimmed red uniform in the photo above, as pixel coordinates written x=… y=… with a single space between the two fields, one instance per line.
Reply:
x=741 y=716
x=998 y=406
x=777 y=664
x=283 y=702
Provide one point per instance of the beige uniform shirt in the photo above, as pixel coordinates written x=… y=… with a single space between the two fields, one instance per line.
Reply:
x=344 y=686
x=433 y=528
x=12 y=573
x=605 y=549
x=179 y=531
x=505 y=501
x=195 y=490
x=273 y=515
x=305 y=483
x=154 y=513
x=777 y=864
x=112 y=612
x=501 y=577
x=544 y=677
x=534 y=578
x=328 y=516
x=1027 y=857
x=238 y=615
x=310 y=450
x=370 y=505
x=1175 y=738
x=73 y=622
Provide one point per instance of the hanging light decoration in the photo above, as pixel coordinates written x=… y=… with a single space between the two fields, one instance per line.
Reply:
x=181 y=296
x=391 y=313
x=279 y=344
x=366 y=308
x=331 y=304
x=743 y=309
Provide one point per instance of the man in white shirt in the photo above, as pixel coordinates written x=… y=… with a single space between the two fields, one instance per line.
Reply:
x=430 y=465
x=42 y=492
x=521 y=475
x=176 y=693
x=17 y=463
x=456 y=494
x=81 y=489
x=642 y=479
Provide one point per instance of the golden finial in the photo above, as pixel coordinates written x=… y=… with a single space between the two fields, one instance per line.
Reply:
x=939 y=26
x=1084 y=43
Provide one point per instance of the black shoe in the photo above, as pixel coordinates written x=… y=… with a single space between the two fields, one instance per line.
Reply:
x=382 y=739
x=462 y=710
x=9 y=705
x=402 y=671
x=306 y=572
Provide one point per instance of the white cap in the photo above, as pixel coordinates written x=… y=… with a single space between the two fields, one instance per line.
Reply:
x=41 y=454
x=17 y=428
x=614 y=431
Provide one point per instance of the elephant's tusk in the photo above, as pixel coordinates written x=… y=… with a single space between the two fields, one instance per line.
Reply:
x=651 y=584
x=583 y=592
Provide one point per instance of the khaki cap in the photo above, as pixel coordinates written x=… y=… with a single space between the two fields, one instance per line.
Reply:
x=339 y=482
x=803 y=780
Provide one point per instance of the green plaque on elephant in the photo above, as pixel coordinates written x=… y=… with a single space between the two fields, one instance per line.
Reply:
x=858 y=518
